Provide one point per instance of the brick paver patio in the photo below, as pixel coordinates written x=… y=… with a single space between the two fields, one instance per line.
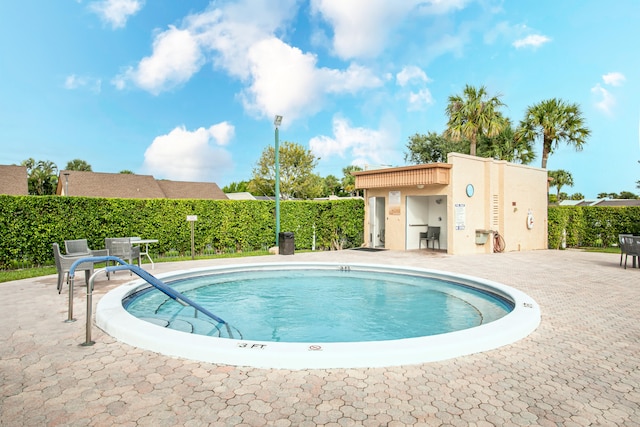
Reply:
x=580 y=367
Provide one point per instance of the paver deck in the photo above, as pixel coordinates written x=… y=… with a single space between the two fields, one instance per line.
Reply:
x=580 y=367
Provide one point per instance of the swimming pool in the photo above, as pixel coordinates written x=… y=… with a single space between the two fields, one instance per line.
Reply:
x=512 y=315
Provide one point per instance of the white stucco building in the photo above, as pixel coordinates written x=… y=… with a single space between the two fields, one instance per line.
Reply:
x=467 y=198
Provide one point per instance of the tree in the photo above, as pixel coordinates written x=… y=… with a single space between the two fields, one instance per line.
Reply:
x=297 y=179
x=236 y=187
x=554 y=121
x=606 y=196
x=78 y=165
x=42 y=176
x=472 y=114
x=505 y=146
x=431 y=148
x=126 y=172
x=560 y=179
x=349 y=180
x=627 y=195
x=577 y=196
x=331 y=186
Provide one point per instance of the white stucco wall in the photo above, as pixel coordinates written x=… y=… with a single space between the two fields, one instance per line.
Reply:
x=504 y=194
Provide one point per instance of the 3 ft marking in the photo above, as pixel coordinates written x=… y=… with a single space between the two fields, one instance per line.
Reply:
x=256 y=346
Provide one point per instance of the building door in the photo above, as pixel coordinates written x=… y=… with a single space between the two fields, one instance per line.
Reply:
x=423 y=211
x=417 y=220
x=376 y=222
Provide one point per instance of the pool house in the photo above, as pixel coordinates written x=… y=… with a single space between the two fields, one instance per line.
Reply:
x=459 y=205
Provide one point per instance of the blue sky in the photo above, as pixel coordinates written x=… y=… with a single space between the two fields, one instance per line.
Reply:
x=187 y=90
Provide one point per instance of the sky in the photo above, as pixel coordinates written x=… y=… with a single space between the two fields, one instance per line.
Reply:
x=188 y=90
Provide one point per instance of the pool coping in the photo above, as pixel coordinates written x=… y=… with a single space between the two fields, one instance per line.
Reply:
x=112 y=318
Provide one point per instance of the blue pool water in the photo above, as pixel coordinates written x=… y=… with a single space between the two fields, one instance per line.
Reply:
x=321 y=306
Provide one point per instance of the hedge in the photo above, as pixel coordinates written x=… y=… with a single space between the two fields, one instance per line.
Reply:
x=591 y=226
x=30 y=224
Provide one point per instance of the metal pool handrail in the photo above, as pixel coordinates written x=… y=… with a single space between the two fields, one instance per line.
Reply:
x=146 y=276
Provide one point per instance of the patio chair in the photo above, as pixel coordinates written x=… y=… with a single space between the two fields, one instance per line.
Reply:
x=64 y=263
x=622 y=247
x=631 y=248
x=122 y=248
x=432 y=235
x=80 y=246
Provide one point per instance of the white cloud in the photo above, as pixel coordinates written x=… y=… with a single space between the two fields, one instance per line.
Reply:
x=184 y=155
x=73 y=82
x=286 y=81
x=606 y=100
x=533 y=41
x=116 y=12
x=176 y=57
x=420 y=100
x=411 y=73
x=614 y=79
x=361 y=27
x=366 y=146
x=279 y=78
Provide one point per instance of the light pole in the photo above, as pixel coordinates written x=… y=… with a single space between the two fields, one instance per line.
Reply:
x=277 y=122
x=66 y=183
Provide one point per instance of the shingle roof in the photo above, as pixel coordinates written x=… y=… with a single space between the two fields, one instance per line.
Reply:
x=619 y=202
x=191 y=190
x=601 y=202
x=132 y=186
x=13 y=180
x=113 y=185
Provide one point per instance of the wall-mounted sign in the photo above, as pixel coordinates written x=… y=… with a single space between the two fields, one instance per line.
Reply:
x=460 y=215
x=394 y=203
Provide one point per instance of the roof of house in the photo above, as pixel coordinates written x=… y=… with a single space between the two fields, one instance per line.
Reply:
x=619 y=202
x=601 y=202
x=132 y=186
x=13 y=180
x=191 y=190
x=245 y=195
x=110 y=185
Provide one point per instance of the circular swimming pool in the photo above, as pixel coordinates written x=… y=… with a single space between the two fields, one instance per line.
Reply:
x=319 y=315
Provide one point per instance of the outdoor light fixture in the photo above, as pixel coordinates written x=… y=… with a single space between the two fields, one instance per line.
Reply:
x=277 y=122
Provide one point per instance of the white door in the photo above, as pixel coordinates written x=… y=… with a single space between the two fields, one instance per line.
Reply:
x=376 y=222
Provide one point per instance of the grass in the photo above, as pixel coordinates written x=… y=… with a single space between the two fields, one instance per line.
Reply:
x=26 y=273
x=609 y=250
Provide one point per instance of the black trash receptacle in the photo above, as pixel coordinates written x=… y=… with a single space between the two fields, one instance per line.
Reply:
x=286 y=243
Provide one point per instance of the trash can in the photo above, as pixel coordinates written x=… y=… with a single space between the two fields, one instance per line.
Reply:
x=286 y=243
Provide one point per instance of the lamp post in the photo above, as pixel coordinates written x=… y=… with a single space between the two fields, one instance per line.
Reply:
x=277 y=122
x=66 y=183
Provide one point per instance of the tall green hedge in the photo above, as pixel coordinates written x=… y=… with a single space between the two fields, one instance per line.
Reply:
x=29 y=224
x=591 y=225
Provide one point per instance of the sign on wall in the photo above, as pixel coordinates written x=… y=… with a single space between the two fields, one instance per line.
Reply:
x=394 y=203
x=460 y=216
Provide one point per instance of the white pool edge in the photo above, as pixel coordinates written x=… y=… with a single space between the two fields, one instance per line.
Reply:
x=112 y=318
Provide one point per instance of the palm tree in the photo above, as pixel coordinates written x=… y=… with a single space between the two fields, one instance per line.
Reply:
x=42 y=176
x=472 y=114
x=555 y=121
x=560 y=179
x=78 y=165
x=505 y=146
